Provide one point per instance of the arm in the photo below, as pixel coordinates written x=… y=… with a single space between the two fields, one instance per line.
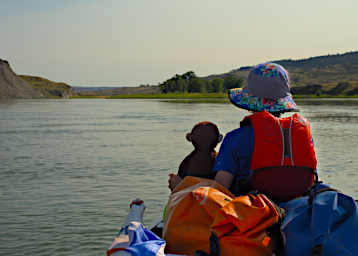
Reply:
x=173 y=181
x=225 y=164
x=234 y=156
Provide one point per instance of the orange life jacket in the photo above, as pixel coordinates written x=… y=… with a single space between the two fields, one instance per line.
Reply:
x=281 y=141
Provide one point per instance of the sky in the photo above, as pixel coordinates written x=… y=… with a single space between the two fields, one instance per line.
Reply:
x=134 y=42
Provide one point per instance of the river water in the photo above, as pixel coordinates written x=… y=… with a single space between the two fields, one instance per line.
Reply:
x=69 y=168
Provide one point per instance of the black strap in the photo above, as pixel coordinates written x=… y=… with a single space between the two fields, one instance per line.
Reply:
x=312 y=194
x=200 y=253
x=214 y=247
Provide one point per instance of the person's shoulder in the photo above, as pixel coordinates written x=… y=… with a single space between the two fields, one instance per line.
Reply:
x=242 y=131
x=240 y=135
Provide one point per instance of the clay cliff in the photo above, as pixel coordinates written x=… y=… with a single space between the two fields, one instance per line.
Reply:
x=14 y=87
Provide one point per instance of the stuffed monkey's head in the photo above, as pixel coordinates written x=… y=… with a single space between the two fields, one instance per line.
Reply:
x=204 y=135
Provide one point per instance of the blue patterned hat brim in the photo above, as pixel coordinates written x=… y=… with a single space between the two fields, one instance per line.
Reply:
x=243 y=99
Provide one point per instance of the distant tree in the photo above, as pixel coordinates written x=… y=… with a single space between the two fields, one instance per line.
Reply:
x=176 y=86
x=217 y=84
x=203 y=85
x=163 y=87
x=185 y=86
x=209 y=86
x=232 y=82
x=197 y=85
x=178 y=83
x=171 y=85
x=181 y=85
x=189 y=75
x=189 y=82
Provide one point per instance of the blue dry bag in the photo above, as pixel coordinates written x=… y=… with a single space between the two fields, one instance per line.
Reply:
x=141 y=242
x=322 y=223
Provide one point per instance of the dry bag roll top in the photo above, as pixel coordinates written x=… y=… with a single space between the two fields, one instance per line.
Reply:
x=199 y=208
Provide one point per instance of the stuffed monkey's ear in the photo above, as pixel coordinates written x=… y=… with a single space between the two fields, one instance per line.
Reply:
x=220 y=138
x=188 y=136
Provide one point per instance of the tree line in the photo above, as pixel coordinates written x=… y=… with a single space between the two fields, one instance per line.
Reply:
x=190 y=83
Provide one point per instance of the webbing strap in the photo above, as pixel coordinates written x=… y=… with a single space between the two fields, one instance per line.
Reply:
x=286 y=142
x=322 y=216
x=313 y=194
x=214 y=247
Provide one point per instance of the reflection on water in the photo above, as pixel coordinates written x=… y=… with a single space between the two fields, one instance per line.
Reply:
x=69 y=168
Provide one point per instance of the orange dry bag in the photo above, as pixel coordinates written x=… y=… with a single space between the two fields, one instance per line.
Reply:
x=200 y=208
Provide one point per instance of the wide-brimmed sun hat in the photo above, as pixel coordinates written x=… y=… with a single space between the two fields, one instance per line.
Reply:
x=268 y=88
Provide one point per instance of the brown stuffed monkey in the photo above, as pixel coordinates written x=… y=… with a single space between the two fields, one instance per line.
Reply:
x=199 y=163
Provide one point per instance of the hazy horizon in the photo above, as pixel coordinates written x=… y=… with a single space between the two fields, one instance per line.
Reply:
x=113 y=43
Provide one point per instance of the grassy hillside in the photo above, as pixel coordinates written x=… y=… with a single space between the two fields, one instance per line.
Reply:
x=48 y=88
x=331 y=74
x=325 y=70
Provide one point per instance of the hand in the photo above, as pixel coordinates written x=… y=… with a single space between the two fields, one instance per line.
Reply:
x=173 y=181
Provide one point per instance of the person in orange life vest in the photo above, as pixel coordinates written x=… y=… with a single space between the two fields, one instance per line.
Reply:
x=263 y=138
x=199 y=163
